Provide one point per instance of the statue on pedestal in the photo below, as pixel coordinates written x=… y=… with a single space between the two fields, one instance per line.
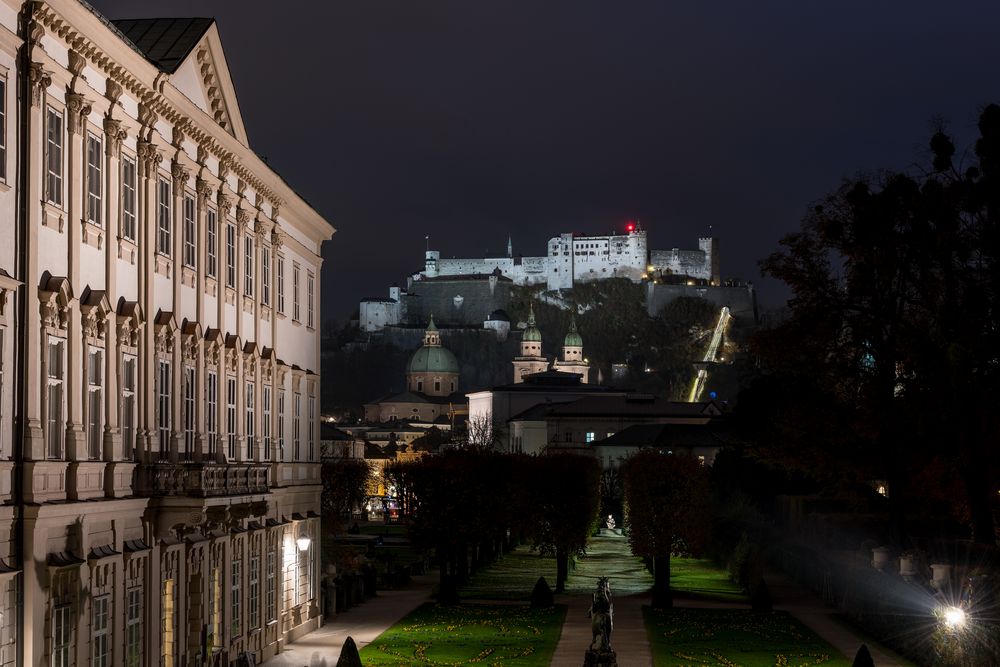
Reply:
x=601 y=623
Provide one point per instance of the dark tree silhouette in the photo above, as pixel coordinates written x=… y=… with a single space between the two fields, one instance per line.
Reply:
x=667 y=499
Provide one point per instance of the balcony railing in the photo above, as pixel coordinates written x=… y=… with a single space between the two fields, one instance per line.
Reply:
x=204 y=480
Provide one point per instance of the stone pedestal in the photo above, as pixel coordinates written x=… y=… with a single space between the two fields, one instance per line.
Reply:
x=594 y=658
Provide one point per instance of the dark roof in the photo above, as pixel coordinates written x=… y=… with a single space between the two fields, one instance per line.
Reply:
x=668 y=435
x=165 y=42
x=637 y=405
x=555 y=381
x=499 y=315
x=414 y=397
x=328 y=431
x=378 y=299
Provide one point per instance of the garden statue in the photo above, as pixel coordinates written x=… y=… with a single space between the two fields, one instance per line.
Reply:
x=610 y=522
x=601 y=614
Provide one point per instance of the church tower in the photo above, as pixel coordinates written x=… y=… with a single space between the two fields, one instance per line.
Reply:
x=573 y=360
x=433 y=369
x=531 y=359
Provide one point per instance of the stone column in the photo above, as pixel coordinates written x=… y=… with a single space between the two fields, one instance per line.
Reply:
x=277 y=239
x=242 y=230
x=204 y=191
x=149 y=160
x=113 y=136
x=34 y=434
x=180 y=177
x=77 y=111
x=225 y=203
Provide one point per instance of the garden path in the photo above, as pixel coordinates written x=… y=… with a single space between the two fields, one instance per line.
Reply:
x=607 y=556
x=321 y=648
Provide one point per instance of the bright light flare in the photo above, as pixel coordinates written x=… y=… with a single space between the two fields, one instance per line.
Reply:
x=954 y=617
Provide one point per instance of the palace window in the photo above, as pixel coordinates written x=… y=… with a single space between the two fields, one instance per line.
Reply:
x=253 y=593
x=231 y=256
x=128 y=198
x=168 y=624
x=3 y=128
x=237 y=598
x=133 y=627
x=311 y=428
x=296 y=426
x=266 y=420
x=249 y=420
x=163 y=407
x=62 y=629
x=265 y=275
x=590 y=436
x=271 y=582
x=190 y=256
x=163 y=226
x=281 y=424
x=95 y=406
x=212 y=249
x=100 y=643
x=280 y=268
x=212 y=417
x=295 y=293
x=248 y=265
x=231 y=415
x=95 y=185
x=310 y=293
x=437 y=385
x=55 y=396
x=214 y=609
x=128 y=407
x=189 y=411
x=54 y=157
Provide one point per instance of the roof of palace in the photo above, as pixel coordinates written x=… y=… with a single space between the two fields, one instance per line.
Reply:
x=165 y=42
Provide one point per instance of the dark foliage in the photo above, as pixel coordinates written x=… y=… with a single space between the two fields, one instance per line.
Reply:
x=541 y=594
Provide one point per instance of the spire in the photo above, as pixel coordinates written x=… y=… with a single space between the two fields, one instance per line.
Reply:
x=531 y=332
x=430 y=325
x=573 y=337
x=531 y=314
x=510 y=248
x=431 y=336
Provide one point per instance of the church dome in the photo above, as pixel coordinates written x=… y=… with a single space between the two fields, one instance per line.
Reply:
x=433 y=360
x=573 y=337
x=531 y=333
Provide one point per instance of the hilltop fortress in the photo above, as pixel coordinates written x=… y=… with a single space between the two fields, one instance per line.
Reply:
x=474 y=292
x=575 y=258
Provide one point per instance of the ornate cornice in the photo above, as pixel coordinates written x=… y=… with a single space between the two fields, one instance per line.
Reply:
x=112 y=90
x=277 y=238
x=225 y=203
x=149 y=156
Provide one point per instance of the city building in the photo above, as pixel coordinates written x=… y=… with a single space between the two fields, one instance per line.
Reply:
x=159 y=354
x=431 y=394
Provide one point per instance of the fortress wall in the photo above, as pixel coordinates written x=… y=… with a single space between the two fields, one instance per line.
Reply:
x=694 y=263
x=455 y=303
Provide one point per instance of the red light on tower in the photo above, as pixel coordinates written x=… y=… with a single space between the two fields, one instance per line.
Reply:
x=630 y=226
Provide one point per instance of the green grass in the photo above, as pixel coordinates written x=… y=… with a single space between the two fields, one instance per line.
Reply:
x=702 y=579
x=511 y=578
x=495 y=635
x=734 y=637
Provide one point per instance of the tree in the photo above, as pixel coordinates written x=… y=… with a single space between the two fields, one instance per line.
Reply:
x=345 y=488
x=667 y=500
x=890 y=344
x=566 y=492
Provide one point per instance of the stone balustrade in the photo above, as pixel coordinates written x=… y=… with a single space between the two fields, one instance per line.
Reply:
x=204 y=479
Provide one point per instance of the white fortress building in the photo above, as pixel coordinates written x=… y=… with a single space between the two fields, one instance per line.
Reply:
x=576 y=258
x=159 y=354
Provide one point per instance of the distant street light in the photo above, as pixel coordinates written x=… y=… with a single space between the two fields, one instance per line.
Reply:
x=954 y=617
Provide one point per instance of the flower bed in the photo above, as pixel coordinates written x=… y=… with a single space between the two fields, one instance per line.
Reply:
x=495 y=635
x=734 y=638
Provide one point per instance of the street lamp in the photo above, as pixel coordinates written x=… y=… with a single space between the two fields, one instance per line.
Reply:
x=303 y=542
x=954 y=617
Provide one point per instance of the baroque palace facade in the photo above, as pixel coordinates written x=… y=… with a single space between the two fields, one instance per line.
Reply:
x=159 y=351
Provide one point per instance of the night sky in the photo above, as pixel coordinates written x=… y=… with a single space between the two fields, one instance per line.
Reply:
x=472 y=120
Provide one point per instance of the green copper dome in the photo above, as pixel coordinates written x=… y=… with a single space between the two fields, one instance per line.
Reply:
x=532 y=334
x=433 y=360
x=573 y=337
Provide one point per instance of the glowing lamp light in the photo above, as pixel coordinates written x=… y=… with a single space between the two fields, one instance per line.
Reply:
x=303 y=543
x=629 y=226
x=954 y=617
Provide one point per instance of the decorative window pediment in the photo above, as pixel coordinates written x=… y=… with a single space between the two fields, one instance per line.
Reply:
x=130 y=320
x=214 y=344
x=233 y=350
x=95 y=308
x=191 y=337
x=55 y=295
x=165 y=332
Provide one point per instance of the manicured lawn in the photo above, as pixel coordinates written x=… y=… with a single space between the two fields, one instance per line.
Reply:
x=734 y=637
x=496 y=635
x=703 y=579
x=511 y=578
